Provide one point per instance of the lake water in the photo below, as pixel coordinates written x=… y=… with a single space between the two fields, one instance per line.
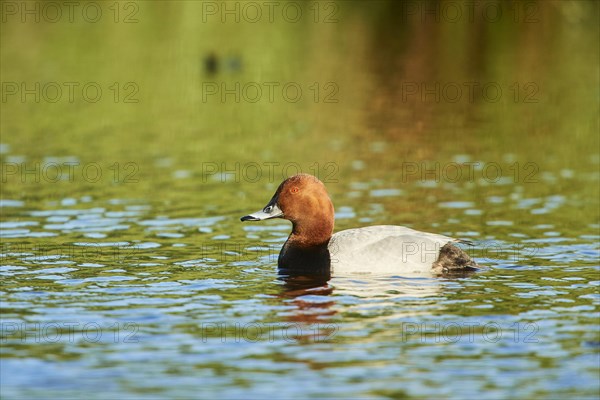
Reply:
x=133 y=140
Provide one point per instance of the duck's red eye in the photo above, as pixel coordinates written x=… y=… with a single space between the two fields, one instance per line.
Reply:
x=294 y=189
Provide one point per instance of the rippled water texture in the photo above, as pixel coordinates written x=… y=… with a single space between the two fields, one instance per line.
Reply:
x=126 y=272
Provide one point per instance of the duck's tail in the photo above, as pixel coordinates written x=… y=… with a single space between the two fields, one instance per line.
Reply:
x=454 y=261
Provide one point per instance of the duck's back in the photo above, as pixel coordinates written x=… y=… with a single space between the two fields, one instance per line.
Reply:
x=386 y=249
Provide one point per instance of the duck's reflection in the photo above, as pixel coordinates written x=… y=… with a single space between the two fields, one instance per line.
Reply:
x=310 y=296
x=314 y=307
x=302 y=284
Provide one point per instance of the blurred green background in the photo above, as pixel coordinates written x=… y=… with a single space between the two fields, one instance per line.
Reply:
x=367 y=72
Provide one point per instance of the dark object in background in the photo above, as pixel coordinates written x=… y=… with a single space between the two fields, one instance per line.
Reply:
x=233 y=63
x=212 y=64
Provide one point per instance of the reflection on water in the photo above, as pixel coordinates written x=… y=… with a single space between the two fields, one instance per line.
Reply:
x=125 y=270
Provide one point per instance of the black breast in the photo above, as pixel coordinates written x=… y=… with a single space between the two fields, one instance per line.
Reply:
x=296 y=261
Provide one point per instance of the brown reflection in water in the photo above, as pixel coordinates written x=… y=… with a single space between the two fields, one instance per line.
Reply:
x=303 y=285
x=428 y=75
x=309 y=312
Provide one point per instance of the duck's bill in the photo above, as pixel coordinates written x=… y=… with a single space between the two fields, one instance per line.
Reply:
x=267 y=213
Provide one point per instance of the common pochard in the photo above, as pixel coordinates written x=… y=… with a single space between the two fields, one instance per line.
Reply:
x=313 y=248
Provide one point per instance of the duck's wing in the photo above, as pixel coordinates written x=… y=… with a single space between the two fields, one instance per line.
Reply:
x=386 y=249
x=372 y=234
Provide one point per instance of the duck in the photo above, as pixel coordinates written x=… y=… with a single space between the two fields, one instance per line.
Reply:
x=312 y=247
